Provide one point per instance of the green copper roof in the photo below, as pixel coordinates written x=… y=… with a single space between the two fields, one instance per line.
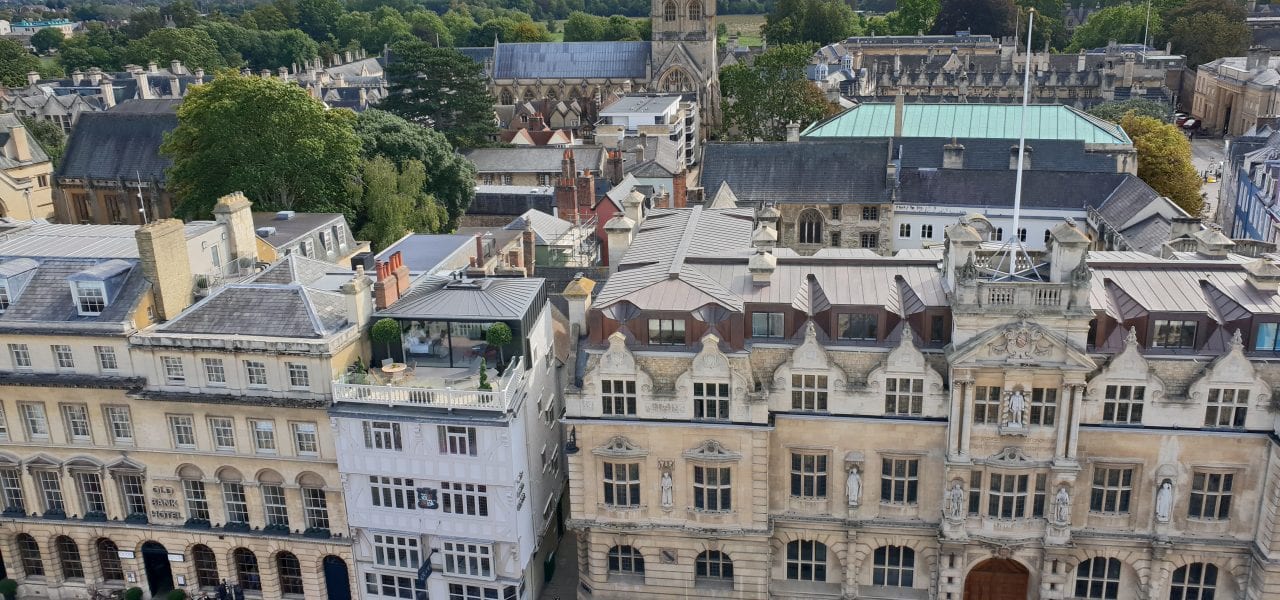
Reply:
x=974 y=121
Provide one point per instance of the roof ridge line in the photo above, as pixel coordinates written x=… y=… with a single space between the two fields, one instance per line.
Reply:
x=686 y=238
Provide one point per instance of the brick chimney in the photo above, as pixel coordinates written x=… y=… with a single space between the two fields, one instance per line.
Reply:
x=613 y=167
x=566 y=188
x=586 y=192
x=528 y=248
x=392 y=281
x=235 y=211
x=536 y=123
x=19 y=147
x=162 y=253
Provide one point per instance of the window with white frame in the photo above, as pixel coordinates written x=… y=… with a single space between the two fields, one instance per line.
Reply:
x=926 y=232
x=459 y=591
x=712 y=489
x=34 y=420
x=806 y=560
x=174 y=373
x=197 y=500
x=307 y=248
x=468 y=559
x=457 y=440
x=11 y=487
x=382 y=585
x=76 y=419
x=399 y=552
x=91 y=297
x=392 y=492
x=464 y=499
x=120 y=424
x=1112 y=489
x=183 y=428
x=4 y=424
x=106 y=358
x=904 y=230
x=62 y=357
x=264 y=435
x=274 y=506
x=1227 y=408
x=1044 y=406
x=132 y=493
x=899 y=480
x=893 y=566
x=621 y=484
x=986 y=405
x=382 y=435
x=49 y=483
x=4 y=295
x=808 y=475
x=808 y=392
x=223 y=432
x=237 y=504
x=305 y=442
x=1210 y=496
x=92 y=498
x=903 y=396
x=299 y=376
x=1098 y=579
x=20 y=355
x=340 y=235
x=215 y=373
x=618 y=397
x=255 y=373
x=315 y=507
x=711 y=401
x=326 y=242
x=1122 y=404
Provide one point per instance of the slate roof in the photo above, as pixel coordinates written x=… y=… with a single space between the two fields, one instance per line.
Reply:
x=7 y=122
x=533 y=159
x=122 y=143
x=290 y=230
x=46 y=297
x=299 y=269
x=999 y=121
x=263 y=310
x=491 y=298
x=567 y=60
x=1040 y=189
x=809 y=171
x=662 y=157
x=993 y=154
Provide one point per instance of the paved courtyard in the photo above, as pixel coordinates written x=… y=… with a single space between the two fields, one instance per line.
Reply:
x=1207 y=154
x=564 y=585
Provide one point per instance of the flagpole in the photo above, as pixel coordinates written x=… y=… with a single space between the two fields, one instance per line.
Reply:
x=1015 y=243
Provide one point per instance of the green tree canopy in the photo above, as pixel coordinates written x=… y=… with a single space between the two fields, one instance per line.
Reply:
x=49 y=38
x=1164 y=161
x=269 y=139
x=452 y=177
x=992 y=17
x=912 y=17
x=1205 y=30
x=761 y=99
x=192 y=46
x=394 y=203
x=1115 y=110
x=429 y=27
x=810 y=21
x=50 y=137
x=15 y=63
x=1123 y=23
x=442 y=88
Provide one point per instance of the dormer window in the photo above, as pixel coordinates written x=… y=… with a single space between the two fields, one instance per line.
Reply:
x=91 y=297
x=4 y=295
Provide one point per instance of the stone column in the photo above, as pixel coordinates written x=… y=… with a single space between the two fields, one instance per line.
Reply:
x=966 y=417
x=852 y=564
x=253 y=499
x=293 y=506
x=1066 y=417
x=217 y=508
x=1073 y=440
x=953 y=424
x=31 y=500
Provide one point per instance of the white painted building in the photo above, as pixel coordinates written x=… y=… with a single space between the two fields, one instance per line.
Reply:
x=663 y=115
x=437 y=467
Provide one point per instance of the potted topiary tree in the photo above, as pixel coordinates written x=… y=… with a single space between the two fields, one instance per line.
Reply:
x=8 y=589
x=176 y=595
x=133 y=593
x=484 y=376
x=498 y=335
x=386 y=331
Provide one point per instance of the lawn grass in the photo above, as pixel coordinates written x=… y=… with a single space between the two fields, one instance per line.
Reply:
x=746 y=26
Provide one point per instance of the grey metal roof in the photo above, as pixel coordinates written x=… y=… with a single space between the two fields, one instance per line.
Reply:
x=263 y=310
x=122 y=143
x=490 y=298
x=1156 y=285
x=566 y=60
x=808 y=171
x=641 y=103
x=424 y=253
x=534 y=159
x=35 y=239
x=300 y=269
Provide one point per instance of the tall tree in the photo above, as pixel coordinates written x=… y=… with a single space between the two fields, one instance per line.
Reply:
x=992 y=17
x=452 y=177
x=49 y=38
x=269 y=139
x=192 y=46
x=760 y=100
x=913 y=16
x=1205 y=30
x=395 y=203
x=15 y=63
x=1164 y=160
x=1115 y=110
x=1124 y=24
x=442 y=88
x=810 y=21
x=50 y=137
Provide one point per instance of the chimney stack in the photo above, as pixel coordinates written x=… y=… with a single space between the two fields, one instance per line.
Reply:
x=33 y=78
x=613 y=167
x=899 y=107
x=619 y=230
x=175 y=67
x=153 y=68
x=528 y=248
x=793 y=131
x=953 y=155
x=1013 y=158
x=108 y=92
x=235 y=211
x=162 y=253
x=392 y=282
x=761 y=266
x=358 y=298
x=144 y=86
x=1258 y=58
x=1263 y=275
x=1211 y=243
x=19 y=148
x=578 y=295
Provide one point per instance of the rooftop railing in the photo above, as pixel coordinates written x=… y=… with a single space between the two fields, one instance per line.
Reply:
x=463 y=394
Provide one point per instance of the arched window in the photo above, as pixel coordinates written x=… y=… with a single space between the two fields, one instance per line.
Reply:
x=626 y=560
x=109 y=560
x=1022 y=234
x=894 y=566
x=247 y=569
x=1196 y=581
x=997 y=235
x=29 y=552
x=234 y=501
x=194 y=492
x=807 y=561
x=809 y=227
x=528 y=94
x=1098 y=579
x=505 y=97
x=206 y=563
x=714 y=565
x=552 y=94
x=290 y=574
x=69 y=558
x=669 y=11
x=695 y=10
x=275 y=509
x=315 y=502
x=676 y=81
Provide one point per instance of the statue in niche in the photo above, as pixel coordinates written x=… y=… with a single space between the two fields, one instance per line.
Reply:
x=1062 y=506
x=1164 y=501
x=667 y=496
x=1017 y=409
x=953 y=503
x=853 y=487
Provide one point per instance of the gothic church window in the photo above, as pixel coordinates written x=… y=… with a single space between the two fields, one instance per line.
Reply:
x=809 y=227
x=506 y=98
x=669 y=11
x=695 y=11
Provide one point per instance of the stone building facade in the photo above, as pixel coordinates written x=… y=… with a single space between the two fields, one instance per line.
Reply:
x=757 y=423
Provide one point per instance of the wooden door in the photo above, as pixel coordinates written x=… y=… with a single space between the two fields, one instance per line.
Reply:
x=997 y=579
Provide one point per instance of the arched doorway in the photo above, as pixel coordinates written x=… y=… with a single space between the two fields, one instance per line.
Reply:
x=337 y=582
x=159 y=573
x=997 y=579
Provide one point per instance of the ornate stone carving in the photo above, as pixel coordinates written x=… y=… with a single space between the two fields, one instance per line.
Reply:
x=620 y=447
x=711 y=450
x=968 y=271
x=1021 y=342
x=1011 y=455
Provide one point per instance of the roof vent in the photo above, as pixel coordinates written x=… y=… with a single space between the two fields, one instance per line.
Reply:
x=285 y=215
x=265 y=231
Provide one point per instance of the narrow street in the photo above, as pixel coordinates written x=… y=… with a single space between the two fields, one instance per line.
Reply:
x=564 y=584
x=1206 y=154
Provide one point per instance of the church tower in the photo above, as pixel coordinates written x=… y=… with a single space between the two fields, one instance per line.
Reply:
x=684 y=50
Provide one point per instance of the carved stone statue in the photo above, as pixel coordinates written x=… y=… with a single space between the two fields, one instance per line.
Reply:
x=1164 y=501
x=1017 y=408
x=953 y=503
x=853 y=487
x=667 y=497
x=1062 y=506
